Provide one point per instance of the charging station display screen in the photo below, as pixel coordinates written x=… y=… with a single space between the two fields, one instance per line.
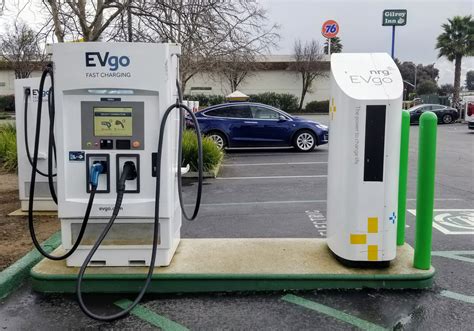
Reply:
x=113 y=122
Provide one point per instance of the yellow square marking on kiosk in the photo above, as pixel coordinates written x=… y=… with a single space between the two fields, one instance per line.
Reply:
x=373 y=225
x=372 y=252
x=358 y=239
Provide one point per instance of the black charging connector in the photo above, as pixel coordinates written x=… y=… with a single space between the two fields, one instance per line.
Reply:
x=131 y=170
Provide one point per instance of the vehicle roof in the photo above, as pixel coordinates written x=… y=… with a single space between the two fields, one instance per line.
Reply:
x=237 y=103
x=429 y=104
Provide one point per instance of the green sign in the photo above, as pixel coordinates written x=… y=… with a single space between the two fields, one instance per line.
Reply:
x=394 y=17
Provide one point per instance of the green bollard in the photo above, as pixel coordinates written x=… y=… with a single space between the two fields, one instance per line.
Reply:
x=402 y=178
x=425 y=190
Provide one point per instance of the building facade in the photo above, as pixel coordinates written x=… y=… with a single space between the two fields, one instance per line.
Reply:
x=276 y=76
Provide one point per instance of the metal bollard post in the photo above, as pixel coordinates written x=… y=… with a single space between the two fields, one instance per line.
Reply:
x=403 y=176
x=425 y=190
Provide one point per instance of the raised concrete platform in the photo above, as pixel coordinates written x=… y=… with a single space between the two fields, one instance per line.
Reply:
x=209 y=265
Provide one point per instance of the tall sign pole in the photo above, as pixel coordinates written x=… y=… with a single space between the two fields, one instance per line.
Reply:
x=394 y=17
x=329 y=30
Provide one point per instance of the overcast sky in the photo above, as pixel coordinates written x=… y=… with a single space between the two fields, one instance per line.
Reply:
x=360 y=25
x=361 y=29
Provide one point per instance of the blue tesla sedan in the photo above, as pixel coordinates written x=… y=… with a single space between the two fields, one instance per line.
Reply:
x=249 y=124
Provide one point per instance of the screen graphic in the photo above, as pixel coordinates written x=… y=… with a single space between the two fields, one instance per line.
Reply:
x=113 y=122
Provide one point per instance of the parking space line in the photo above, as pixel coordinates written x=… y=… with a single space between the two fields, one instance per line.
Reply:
x=337 y=314
x=273 y=202
x=272 y=177
x=257 y=203
x=269 y=164
x=151 y=317
x=458 y=296
x=455 y=255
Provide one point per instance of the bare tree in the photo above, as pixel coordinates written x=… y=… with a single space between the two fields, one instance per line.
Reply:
x=208 y=31
x=83 y=19
x=19 y=47
x=236 y=67
x=308 y=63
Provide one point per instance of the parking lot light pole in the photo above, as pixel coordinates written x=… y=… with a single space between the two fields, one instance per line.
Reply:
x=425 y=190
x=403 y=177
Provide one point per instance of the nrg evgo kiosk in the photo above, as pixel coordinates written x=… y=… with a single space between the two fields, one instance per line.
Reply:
x=364 y=155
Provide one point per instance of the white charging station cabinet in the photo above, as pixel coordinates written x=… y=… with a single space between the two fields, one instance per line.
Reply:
x=110 y=99
x=364 y=155
x=42 y=200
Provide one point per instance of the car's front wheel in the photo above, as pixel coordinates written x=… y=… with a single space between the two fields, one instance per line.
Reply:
x=447 y=118
x=218 y=138
x=304 y=141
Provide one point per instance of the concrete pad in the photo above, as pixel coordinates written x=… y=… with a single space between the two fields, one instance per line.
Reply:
x=20 y=212
x=206 y=265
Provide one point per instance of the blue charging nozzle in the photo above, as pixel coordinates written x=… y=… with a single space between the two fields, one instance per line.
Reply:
x=96 y=170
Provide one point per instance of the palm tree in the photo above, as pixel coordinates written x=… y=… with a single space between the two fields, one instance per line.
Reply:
x=457 y=41
x=336 y=45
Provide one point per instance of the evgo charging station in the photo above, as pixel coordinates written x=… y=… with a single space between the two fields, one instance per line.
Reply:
x=116 y=116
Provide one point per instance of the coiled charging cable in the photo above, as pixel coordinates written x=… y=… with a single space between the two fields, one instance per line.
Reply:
x=126 y=173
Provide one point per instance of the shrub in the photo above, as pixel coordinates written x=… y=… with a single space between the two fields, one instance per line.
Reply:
x=8 y=156
x=212 y=155
x=317 y=107
x=284 y=101
x=7 y=103
x=206 y=100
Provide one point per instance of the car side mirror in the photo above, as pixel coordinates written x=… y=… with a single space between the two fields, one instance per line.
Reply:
x=282 y=118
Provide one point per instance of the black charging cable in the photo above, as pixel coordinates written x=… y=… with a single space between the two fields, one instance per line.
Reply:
x=96 y=168
x=129 y=173
x=156 y=223
x=181 y=106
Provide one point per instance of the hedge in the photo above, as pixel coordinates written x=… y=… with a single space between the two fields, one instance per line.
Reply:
x=211 y=154
x=8 y=156
x=284 y=101
x=7 y=103
x=317 y=107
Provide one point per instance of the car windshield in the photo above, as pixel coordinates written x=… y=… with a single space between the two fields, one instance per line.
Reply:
x=412 y=109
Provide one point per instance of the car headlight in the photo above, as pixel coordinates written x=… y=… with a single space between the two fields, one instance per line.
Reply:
x=321 y=126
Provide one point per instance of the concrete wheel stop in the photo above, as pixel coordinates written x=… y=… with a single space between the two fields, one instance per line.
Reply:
x=242 y=264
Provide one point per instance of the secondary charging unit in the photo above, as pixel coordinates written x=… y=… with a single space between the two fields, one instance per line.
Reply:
x=364 y=155
x=26 y=105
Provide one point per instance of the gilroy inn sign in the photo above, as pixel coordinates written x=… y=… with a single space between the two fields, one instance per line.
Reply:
x=394 y=17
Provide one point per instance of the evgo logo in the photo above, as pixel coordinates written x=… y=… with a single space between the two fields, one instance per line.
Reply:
x=113 y=62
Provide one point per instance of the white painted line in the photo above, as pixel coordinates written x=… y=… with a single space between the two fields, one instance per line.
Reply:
x=272 y=177
x=269 y=164
x=258 y=203
x=458 y=296
x=455 y=255
x=450 y=225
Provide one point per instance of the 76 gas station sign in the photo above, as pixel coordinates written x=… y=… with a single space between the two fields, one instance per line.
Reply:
x=330 y=29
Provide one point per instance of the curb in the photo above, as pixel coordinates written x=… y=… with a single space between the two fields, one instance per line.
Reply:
x=13 y=276
x=206 y=174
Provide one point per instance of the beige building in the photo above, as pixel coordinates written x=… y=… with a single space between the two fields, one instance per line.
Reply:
x=276 y=77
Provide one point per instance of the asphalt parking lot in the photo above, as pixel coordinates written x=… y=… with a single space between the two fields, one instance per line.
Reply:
x=274 y=193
